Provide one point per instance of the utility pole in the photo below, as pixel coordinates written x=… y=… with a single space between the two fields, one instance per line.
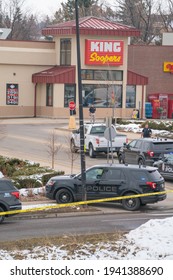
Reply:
x=81 y=122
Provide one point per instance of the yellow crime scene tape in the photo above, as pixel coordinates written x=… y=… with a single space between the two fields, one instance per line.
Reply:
x=81 y=203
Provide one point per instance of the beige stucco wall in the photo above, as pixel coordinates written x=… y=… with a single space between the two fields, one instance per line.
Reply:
x=58 y=95
x=27 y=53
x=20 y=59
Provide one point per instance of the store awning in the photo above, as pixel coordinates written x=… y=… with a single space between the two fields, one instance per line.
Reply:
x=56 y=75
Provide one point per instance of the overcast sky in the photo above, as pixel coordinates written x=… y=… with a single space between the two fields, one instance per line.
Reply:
x=40 y=7
x=46 y=7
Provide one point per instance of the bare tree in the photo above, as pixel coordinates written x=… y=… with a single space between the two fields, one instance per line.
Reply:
x=23 y=25
x=142 y=14
x=72 y=154
x=166 y=14
x=52 y=147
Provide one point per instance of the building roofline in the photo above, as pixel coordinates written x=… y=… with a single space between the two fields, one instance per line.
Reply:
x=91 y=26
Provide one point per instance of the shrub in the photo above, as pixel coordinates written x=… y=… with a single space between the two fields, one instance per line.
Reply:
x=159 y=125
x=46 y=177
x=27 y=183
x=14 y=169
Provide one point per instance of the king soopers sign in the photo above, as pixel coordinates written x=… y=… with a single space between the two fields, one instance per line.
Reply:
x=101 y=52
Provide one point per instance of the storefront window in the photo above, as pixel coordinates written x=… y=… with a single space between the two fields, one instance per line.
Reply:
x=49 y=94
x=102 y=95
x=130 y=96
x=115 y=75
x=69 y=95
x=102 y=75
x=65 y=52
x=87 y=74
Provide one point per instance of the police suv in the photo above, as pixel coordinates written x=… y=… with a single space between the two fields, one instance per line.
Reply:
x=9 y=198
x=108 y=181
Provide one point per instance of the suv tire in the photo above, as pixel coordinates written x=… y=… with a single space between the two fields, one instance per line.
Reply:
x=91 y=151
x=64 y=196
x=131 y=204
x=120 y=159
x=141 y=161
x=1 y=217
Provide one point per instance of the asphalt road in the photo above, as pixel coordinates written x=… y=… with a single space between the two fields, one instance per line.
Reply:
x=31 y=141
x=17 y=229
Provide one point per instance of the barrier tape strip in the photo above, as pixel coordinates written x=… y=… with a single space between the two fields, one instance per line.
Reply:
x=82 y=203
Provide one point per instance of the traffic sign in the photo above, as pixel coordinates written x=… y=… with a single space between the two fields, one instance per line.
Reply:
x=72 y=105
x=110 y=133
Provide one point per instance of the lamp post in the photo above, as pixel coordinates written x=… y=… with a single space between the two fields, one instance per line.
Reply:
x=81 y=122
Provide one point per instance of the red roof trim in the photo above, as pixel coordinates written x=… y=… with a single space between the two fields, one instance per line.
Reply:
x=56 y=75
x=136 y=79
x=91 y=26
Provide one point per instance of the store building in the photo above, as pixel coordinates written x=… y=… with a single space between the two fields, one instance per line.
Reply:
x=155 y=62
x=39 y=79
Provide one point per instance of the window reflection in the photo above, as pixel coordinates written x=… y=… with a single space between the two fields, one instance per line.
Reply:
x=69 y=95
x=130 y=96
x=49 y=94
x=102 y=95
x=95 y=173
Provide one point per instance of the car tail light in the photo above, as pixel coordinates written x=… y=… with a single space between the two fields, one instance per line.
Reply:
x=16 y=194
x=152 y=185
x=97 y=141
x=150 y=153
x=127 y=140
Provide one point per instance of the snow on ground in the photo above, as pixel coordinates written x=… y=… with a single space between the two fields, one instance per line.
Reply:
x=136 y=128
x=151 y=241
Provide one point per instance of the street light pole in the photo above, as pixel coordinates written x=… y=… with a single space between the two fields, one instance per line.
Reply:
x=81 y=122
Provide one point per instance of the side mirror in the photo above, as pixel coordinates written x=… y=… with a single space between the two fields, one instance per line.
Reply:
x=127 y=146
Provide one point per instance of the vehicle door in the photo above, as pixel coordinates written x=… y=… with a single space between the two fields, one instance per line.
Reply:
x=137 y=151
x=130 y=152
x=167 y=165
x=113 y=181
x=77 y=136
x=86 y=134
x=94 y=182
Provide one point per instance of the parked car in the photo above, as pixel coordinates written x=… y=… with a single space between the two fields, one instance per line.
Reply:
x=9 y=198
x=144 y=151
x=105 y=181
x=95 y=141
x=165 y=165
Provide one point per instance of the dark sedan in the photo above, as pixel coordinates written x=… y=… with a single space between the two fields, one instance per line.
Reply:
x=165 y=166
